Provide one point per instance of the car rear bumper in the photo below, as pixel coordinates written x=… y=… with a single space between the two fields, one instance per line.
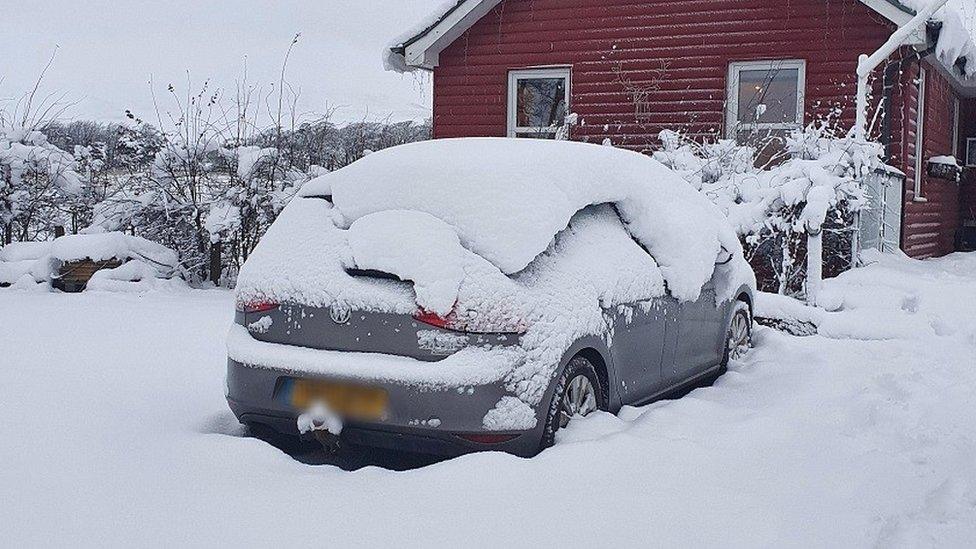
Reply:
x=419 y=419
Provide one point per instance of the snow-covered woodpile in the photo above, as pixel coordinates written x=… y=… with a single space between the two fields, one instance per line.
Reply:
x=99 y=260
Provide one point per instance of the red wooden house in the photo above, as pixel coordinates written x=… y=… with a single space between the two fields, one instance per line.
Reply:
x=630 y=68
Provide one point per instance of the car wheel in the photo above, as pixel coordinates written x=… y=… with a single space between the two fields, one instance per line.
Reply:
x=578 y=393
x=738 y=338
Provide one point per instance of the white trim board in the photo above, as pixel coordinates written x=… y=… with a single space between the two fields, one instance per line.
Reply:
x=920 y=135
x=425 y=51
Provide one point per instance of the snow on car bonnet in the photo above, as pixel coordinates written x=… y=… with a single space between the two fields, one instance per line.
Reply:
x=507 y=198
x=414 y=246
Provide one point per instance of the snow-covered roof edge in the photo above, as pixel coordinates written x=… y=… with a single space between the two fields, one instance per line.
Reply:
x=951 y=34
x=420 y=46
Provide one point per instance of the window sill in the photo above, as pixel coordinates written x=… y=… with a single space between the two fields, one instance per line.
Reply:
x=920 y=199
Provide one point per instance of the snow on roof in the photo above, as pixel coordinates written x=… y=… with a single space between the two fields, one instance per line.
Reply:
x=507 y=199
x=956 y=46
x=393 y=53
x=113 y=245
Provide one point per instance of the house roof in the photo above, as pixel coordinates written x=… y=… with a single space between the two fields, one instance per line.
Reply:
x=952 y=33
x=420 y=47
x=951 y=39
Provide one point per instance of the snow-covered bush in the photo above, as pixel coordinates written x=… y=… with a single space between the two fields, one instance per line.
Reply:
x=206 y=178
x=816 y=188
x=37 y=181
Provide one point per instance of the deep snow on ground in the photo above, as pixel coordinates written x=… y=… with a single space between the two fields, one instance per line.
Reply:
x=114 y=431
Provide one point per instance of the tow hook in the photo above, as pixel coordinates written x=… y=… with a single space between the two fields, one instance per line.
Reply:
x=323 y=424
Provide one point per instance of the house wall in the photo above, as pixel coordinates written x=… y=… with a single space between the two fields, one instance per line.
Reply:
x=675 y=56
x=930 y=223
x=676 y=52
x=967 y=190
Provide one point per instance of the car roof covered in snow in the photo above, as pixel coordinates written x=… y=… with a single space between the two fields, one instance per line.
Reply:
x=507 y=199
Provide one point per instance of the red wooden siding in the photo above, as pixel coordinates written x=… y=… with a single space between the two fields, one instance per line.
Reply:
x=677 y=54
x=929 y=227
x=678 y=51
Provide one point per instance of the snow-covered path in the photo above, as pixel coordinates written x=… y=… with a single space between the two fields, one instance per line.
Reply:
x=113 y=431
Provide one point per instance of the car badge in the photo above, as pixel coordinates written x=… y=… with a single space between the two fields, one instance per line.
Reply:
x=340 y=313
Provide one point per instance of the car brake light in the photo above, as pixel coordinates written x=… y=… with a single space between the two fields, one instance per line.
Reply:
x=259 y=306
x=455 y=324
x=486 y=439
x=433 y=319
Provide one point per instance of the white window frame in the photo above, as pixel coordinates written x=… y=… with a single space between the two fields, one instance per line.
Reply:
x=732 y=124
x=920 y=135
x=525 y=74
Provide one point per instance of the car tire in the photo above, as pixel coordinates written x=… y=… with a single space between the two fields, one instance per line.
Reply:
x=578 y=378
x=738 y=336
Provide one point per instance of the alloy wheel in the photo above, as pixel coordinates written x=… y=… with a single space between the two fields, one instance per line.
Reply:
x=578 y=400
x=738 y=336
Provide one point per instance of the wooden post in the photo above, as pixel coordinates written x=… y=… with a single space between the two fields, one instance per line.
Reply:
x=215 y=262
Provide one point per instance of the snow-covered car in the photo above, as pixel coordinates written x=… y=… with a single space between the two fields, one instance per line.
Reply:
x=477 y=294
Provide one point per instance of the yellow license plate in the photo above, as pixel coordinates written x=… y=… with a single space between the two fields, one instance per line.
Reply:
x=347 y=400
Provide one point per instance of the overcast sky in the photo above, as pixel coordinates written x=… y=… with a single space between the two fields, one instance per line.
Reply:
x=107 y=51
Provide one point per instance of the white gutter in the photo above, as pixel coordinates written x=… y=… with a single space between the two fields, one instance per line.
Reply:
x=867 y=63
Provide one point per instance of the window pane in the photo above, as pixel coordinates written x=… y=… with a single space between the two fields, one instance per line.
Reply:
x=770 y=145
x=541 y=102
x=768 y=96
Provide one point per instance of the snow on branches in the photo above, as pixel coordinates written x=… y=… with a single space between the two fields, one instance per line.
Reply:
x=813 y=185
x=36 y=180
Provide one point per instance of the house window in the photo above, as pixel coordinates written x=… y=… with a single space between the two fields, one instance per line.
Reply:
x=538 y=102
x=920 y=136
x=765 y=98
x=971 y=152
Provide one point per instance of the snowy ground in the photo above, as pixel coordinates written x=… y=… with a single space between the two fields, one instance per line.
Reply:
x=114 y=432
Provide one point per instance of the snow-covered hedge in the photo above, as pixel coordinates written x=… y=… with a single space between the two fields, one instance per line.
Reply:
x=815 y=185
x=203 y=186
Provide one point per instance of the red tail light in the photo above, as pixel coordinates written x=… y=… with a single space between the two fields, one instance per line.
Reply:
x=487 y=439
x=434 y=319
x=258 y=306
x=471 y=326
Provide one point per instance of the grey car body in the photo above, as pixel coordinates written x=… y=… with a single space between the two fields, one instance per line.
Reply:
x=656 y=348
